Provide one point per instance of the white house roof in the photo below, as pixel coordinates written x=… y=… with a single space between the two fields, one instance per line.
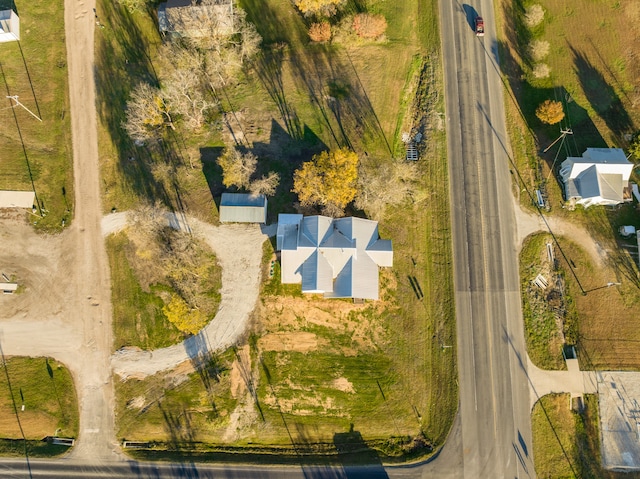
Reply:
x=599 y=176
x=243 y=208
x=9 y=26
x=336 y=257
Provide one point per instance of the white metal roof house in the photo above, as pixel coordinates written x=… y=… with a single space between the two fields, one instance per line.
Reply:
x=243 y=208
x=338 y=258
x=9 y=26
x=599 y=177
x=194 y=19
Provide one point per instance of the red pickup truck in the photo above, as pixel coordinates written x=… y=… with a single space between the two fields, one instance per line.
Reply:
x=479 y=26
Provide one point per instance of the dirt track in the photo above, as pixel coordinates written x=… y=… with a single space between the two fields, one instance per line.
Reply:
x=66 y=310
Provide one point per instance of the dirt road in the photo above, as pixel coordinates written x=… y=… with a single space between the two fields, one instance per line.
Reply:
x=66 y=310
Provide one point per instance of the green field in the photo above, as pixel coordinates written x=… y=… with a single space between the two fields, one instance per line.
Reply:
x=37 y=399
x=36 y=155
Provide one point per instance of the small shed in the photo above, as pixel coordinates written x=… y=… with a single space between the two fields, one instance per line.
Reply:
x=17 y=199
x=243 y=208
x=9 y=26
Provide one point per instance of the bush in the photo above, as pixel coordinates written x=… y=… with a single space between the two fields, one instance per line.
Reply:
x=320 y=32
x=369 y=26
x=541 y=70
x=538 y=49
x=534 y=16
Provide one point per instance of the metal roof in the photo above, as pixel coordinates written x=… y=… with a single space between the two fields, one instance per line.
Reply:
x=243 y=208
x=337 y=257
x=9 y=26
x=17 y=199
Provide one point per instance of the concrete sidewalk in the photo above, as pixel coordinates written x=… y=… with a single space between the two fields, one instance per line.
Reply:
x=573 y=381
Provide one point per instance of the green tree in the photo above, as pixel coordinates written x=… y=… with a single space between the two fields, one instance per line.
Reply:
x=634 y=147
x=328 y=181
x=550 y=112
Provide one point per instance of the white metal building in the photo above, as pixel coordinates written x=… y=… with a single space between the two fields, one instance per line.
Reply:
x=338 y=258
x=243 y=208
x=599 y=177
x=17 y=199
x=9 y=26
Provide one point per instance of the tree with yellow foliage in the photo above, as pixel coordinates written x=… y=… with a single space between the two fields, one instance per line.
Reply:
x=328 y=181
x=318 y=7
x=550 y=112
x=186 y=319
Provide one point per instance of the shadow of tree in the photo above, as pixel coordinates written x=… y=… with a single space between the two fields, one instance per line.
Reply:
x=122 y=60
x=601 y=95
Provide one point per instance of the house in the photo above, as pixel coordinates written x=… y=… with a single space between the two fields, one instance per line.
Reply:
x=195 y=19
x=338 y=258
x=243 y=208
x=9 y=26
x=599 y=177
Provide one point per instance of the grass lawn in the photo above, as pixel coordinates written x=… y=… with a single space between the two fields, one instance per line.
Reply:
x=138 y=319
x=592 y=71
x=45 y=388
x=544 y=336
x=179 y=408
x=37 y=155
x=566 y=443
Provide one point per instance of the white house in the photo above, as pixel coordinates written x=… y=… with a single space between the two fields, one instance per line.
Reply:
x=9 y=26
x=338 y=258
x=599 y=177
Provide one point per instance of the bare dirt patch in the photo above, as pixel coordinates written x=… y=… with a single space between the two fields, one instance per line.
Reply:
x=237 y=375
x=343 y=384
x=300 y=341
x=284 y=318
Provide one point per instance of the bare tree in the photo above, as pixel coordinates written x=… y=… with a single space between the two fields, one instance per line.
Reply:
x=386 y=186
x=147 y=114
x=183 y=91
x=237 y=167
x=266 y=185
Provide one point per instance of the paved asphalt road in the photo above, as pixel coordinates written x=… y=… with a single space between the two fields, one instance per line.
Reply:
x=494 y=404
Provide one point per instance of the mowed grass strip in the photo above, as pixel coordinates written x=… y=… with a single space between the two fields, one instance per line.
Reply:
x=35 y=70
x=566 y=443
x=46 y=389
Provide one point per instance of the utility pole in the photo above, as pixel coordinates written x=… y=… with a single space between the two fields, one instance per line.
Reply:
x=15 y=98
x=564 y=133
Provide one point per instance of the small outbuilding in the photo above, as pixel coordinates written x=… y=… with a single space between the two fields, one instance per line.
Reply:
x=17 y=199
x=9 y=26
x=243 y=208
